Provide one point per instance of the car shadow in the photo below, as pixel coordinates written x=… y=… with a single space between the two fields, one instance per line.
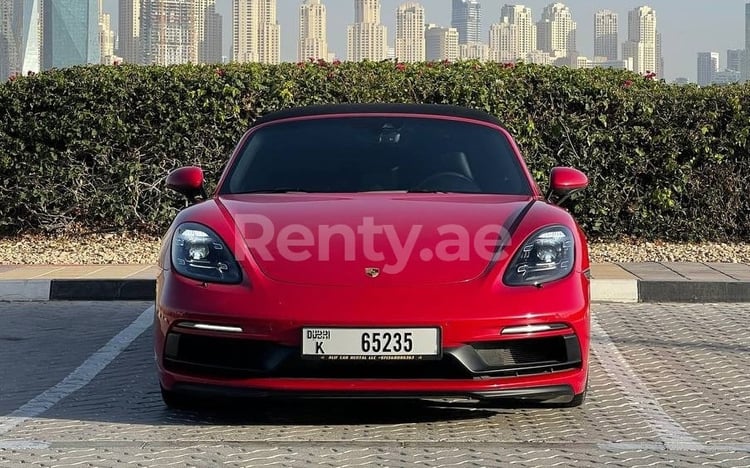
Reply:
x=316 y=411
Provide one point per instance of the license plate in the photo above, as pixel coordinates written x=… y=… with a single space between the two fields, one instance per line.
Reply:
x=370 y=343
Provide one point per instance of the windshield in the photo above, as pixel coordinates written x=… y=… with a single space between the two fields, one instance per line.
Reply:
x=374 y=154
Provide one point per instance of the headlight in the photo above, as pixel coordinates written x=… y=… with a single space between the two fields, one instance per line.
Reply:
x=199 y=253
x=547 y=255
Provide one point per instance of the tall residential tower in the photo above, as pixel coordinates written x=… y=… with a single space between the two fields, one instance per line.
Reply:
x=256 y=34
x=313 y=42
x=641 y=45
x=166 y=36
x=606 y=43
x=503 y=37
x=366 y=39
x=708 y=67
x=106 y=37
x=206 y=32
x=410 y=33
x=522 y=18
x=556 y=32
x=129 y=31
x=441 y=43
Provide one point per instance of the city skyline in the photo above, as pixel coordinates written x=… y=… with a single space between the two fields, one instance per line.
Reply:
x=687 y=27
x=717 y=30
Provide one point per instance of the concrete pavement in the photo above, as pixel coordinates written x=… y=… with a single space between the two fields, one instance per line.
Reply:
x=611 y=282
x=669 y=386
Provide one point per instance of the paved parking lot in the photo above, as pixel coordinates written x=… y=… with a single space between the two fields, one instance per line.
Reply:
x=670 y=385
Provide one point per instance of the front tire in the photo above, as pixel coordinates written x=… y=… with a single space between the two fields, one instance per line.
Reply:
x=577 y=399
x=176 y=401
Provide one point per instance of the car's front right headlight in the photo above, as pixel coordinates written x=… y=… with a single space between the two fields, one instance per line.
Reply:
x=200 y=254
x=547 y=255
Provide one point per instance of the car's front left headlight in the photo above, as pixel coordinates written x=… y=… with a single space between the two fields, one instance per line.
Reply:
x=200 y=254
x=547 y=255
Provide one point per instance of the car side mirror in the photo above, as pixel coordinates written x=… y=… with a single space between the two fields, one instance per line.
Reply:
x=187 y=181
x=564 y=182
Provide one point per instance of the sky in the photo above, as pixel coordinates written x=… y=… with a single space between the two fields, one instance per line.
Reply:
x=687 y=26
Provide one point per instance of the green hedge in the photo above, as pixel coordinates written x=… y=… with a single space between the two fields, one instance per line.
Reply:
x=90 y=147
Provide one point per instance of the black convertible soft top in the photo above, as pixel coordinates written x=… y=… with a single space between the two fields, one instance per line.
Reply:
x=426 y=109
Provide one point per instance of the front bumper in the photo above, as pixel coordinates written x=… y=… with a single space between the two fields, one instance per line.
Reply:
x=547 y=369
x=236 y=358
x=477 y=360
x=560 y=394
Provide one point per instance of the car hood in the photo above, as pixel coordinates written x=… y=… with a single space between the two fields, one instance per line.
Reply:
x=373 y=239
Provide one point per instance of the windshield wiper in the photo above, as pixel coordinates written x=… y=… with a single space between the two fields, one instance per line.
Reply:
x=428 y=191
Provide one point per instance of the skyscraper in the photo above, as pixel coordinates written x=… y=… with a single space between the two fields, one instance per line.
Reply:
x=606 y=43
x=20 y=37
x=366 y=38
x=659 y=56
x=503 y=37
x=641 y=45
x=367 y=11
x=210 y=42
x=441 y=43
x=410 y=33
x=70 y=33
x=522 y=18
x=269 y=41
x=734 y=59
x=313 y=31
x=167 y=32
x=206 y=32
x=256 y=33
x=467 y=19
x=129 y=31
x=556 y=32
x=106 y=37
x=745 y=72
x=708 y=66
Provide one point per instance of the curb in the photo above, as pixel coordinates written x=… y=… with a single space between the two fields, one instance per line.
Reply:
x=78 y=290
x=602 y=290
x=694 y=291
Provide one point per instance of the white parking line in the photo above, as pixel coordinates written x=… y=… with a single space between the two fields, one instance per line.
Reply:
x=670 y=432
x=84 y=374
x=22 y=445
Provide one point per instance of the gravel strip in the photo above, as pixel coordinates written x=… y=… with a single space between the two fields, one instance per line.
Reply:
x=134 y=249
x=101 y=249
x=669 y=252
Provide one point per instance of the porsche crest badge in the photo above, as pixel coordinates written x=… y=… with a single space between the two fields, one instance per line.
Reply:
x=372 y=272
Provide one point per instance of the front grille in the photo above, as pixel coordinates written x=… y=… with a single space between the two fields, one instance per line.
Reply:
x=525 y=356
x=240 y=358
x=210 y=355
x=520 y=352
x=231 y=357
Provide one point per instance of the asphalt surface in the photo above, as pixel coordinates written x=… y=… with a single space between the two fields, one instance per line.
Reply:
x=670 y=386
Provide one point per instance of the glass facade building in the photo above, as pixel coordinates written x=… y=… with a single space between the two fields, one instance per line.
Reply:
x=20 y=37
x=71 y=33
x=467 y=19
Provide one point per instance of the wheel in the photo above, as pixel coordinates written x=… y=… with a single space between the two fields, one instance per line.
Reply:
x=176 y=400
x=577 y=399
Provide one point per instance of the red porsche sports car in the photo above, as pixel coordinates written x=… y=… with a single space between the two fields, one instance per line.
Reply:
x=374 y=251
